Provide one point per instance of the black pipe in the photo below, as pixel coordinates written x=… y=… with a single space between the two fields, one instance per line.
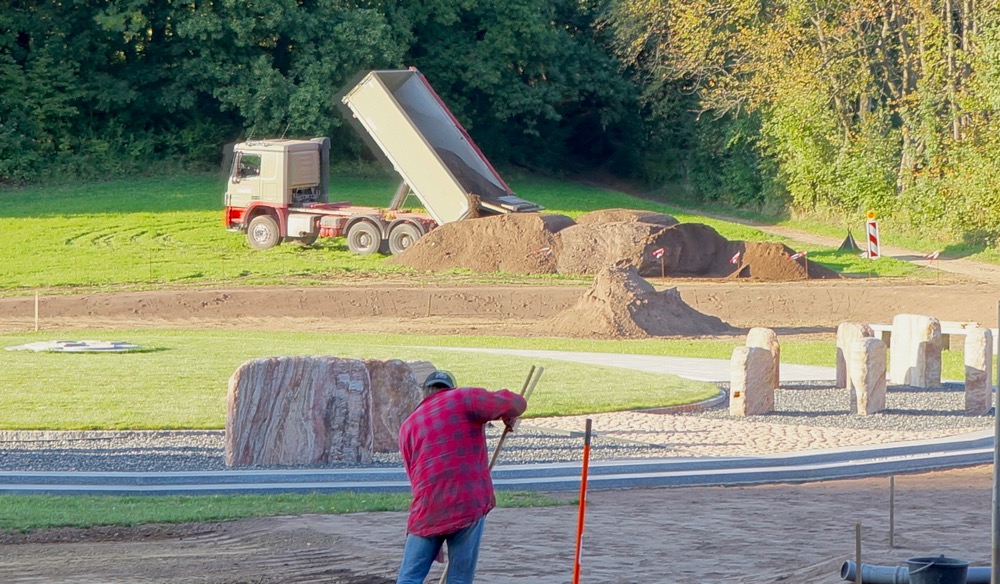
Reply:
x=901 y=574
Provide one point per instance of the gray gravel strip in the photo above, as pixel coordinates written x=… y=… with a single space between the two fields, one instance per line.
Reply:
x=910 y=409
x=159 y=451
x=907 y=409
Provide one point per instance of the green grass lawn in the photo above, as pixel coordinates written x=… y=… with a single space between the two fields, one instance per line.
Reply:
x=27 y=512
x=152 y=232
x=181 y=381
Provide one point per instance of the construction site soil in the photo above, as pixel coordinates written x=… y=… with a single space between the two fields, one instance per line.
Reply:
x=779 y=533
x=653 y=244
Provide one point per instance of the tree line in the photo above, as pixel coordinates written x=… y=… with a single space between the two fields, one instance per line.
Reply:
x=835 y=106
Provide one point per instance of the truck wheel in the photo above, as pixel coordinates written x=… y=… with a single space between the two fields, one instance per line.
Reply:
x=263 y=232
x=363 y=238
x=402 y=237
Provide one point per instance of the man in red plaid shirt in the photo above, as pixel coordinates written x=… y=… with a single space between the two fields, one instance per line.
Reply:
x=443 y=443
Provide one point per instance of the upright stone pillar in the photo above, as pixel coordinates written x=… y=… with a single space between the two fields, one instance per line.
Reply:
x=915 y=353
x=751 y=387
x=847 y=333
x=767 y=339
x=867 y=361
x=978 y=371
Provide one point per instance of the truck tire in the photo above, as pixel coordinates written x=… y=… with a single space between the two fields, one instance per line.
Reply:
x=364 y=238
x=402 y=237
x=263 y=232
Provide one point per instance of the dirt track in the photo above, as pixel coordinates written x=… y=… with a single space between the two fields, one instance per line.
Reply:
x=803 y=307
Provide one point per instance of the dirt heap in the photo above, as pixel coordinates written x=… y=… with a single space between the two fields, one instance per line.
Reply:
x=654 y=244
x=626 y=215
x=771 y=261
x=518 y=243
x=620 y=304
x=689 y=249
x=590 y=248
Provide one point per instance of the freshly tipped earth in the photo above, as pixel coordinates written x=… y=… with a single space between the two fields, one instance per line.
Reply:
x=626 y=216
x=518 y=243
x=654 y=244
x=772 y=262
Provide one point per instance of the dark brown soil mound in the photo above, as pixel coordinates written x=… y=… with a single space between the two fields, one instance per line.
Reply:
x=771 y=262
x=592 y=247
x=689 y=249
x=532 y=243
x=626 y=215
x=620 y=304
x=518 y=243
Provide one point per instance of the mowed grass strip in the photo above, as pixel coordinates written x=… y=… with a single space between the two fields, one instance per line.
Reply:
x=28 y=512
x=152 y=232
x=180 y=381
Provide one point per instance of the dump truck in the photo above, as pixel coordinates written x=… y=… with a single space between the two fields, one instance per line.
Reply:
x=278 y=189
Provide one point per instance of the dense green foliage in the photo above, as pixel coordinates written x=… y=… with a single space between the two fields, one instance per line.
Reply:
x=831 y=108
x=837 y=107
x=92 y=88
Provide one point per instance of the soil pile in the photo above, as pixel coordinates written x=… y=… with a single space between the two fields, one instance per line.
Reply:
x=772 y=262
x=620 y=304
x=626 y=215
x=688 y=249
x=589 y=248
x=654 y=244
x=518 y=243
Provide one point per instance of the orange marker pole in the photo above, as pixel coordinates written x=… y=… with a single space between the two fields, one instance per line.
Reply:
x=583 y=503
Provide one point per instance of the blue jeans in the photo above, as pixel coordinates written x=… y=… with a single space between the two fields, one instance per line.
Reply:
x=463 y=551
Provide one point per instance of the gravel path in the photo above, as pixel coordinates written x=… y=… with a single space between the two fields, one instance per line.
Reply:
x=807 y=418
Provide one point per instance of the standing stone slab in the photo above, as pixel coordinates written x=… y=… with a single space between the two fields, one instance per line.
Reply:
x=397 y=390
x=978 y=371
x=767 y=339
x=867 y=359
x=847 y=333
x=299 y=411
x=751 y=387
x=915 y=353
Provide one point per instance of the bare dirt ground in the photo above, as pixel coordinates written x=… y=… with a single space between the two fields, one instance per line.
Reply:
x=779 y=533
x=810 y=306
x=783 y=533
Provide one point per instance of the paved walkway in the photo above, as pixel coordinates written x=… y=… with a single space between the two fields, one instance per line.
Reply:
x=695 y=369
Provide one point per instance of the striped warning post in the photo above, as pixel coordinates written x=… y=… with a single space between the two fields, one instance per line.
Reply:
x=873 y=247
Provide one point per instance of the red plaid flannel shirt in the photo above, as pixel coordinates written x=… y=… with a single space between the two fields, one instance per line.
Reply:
x=443 y=443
